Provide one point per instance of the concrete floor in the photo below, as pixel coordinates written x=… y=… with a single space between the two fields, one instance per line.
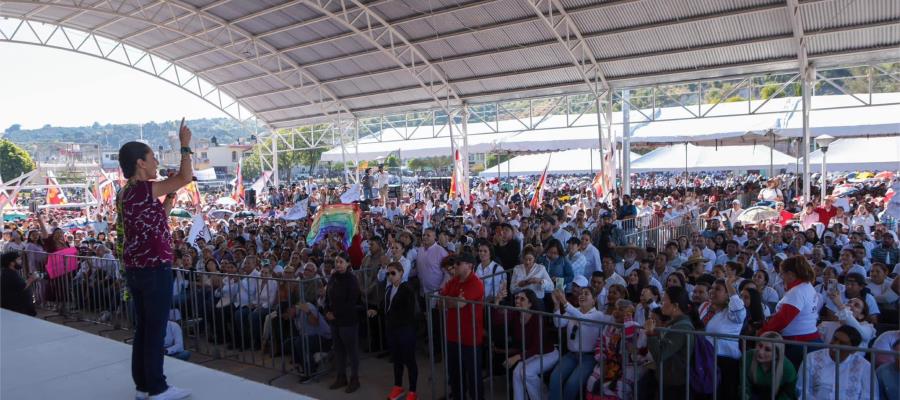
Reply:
x=376 y=375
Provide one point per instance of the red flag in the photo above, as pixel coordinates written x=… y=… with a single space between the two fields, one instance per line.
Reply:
x=597 y=184
x=55 y=194
x=238 y=194
x=538 y=197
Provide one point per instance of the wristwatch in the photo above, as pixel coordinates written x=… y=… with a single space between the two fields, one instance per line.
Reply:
x=186 y=150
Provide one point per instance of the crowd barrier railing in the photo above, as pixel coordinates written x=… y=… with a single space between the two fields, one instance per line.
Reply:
x=661 y=232
x=260 y=321
x=620 y=366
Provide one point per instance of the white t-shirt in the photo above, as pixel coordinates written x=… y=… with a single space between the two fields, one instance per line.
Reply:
x=803 y=297
x=769 y=194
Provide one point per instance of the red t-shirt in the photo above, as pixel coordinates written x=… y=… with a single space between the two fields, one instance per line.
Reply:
x=473 y=290
x=825 y=215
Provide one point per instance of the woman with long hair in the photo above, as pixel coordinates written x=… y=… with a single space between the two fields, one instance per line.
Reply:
x=530 y=353
x=342 y=300
x=144 y=244
x=796 y=314
x=637 y=281
x=769 y=375
x=756 y=315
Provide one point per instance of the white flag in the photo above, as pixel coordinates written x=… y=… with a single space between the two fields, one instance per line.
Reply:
x=198 y=229
x=300 y=210
x=893 y=206
x=352 y=194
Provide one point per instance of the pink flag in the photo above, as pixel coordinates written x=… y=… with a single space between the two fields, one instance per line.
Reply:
x=61 y=262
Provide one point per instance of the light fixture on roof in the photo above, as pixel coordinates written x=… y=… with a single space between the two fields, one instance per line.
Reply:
x=823 y=142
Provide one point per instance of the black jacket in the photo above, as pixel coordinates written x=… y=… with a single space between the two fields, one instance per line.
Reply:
x=342 y=298
x=402 y=309
x=14 y=295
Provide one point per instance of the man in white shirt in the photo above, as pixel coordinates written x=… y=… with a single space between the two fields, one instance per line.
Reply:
x=392 y=211
x=733 y=213
x=382 y=180
x=707 y=253
x=591 y=255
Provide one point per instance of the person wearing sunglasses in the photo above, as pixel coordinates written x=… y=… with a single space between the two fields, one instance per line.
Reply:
x=399 y=311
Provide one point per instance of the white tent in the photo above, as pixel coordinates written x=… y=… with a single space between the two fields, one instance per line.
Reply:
x=679 y=157
x=719 y=122
x=852 y=154
x=578 y=161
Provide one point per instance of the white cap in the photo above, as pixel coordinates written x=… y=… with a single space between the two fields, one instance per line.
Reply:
x=581 y=281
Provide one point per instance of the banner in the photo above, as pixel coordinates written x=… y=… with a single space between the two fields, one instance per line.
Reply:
x=352 y=194
x=208 y=174
x=61 y=262
x=104 y=191
x=459 y=182
x=299 y=211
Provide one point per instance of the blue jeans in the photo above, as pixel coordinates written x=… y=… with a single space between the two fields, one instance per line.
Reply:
x=183 y=355
x=151 y=292
x=570 y=375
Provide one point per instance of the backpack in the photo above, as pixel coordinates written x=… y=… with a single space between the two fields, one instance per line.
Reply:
x=703 y=361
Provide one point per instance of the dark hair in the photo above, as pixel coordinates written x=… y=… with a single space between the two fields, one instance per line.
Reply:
x=654 y=290
x=129 y=153
x=536 y=303
x=756 y=312
x=679 y=297
x=553 y=243
x=799 y=267
x=8 y=258
x=851 y=332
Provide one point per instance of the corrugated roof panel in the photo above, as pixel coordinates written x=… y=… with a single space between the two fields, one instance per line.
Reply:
x=882 y=36
x=830 y=14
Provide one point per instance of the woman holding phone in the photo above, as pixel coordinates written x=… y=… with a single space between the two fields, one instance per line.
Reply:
x=144 y=245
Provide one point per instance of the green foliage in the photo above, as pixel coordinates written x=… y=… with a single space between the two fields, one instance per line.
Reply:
x=491 y=160
x=111 y=136
x=287 y=160
x=392 y=161
x=14 y=161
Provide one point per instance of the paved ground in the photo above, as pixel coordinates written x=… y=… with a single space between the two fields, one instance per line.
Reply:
x=376 y=375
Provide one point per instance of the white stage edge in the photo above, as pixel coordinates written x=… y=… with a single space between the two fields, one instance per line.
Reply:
x=43 y=360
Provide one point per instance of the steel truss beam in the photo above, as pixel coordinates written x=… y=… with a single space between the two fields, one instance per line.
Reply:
x=526 y=20
x=69 y=39
x=657 y=53
x=185 y=20
x=377 y=31
x=567 y=33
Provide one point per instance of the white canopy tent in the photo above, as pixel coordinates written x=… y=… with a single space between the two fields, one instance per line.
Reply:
x=680 y=157
x=724 y=122
x=852 y=154
x=577 y=161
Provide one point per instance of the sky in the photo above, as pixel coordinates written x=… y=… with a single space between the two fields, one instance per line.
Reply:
x=40 y=85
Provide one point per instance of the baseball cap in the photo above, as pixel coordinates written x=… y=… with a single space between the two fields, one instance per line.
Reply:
x=581 y=281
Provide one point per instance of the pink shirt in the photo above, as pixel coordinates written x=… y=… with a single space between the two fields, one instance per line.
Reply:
x=148 y=241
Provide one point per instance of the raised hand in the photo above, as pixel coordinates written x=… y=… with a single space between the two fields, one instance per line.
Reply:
x=184 y=134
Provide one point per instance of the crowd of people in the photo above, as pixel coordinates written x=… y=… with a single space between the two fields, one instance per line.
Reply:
x=557 y=298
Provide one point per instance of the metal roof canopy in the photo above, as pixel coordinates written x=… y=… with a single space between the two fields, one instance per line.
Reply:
x=296 y=62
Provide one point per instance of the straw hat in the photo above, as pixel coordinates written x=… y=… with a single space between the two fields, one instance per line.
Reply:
x=693 y=260
x=621 y=250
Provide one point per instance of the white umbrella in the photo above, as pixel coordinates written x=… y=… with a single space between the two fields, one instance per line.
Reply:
x=226 y=201
x=757 y=214
x=220 y=214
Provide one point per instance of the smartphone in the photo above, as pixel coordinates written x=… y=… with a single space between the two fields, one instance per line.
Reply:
x=832 y=286
x=560 y=283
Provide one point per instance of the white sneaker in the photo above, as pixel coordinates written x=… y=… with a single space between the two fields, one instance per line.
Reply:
x=172 y=393
x=141 y=395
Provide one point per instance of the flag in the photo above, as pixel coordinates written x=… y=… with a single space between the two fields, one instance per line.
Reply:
x=238 y=194
x=597 y=184
x=538 y=197
x=352 y=194
x=198 y=230
x=5 y=200
x=261 y=181
x=190 y=193
x=300 y=210
x=459 y=182
x=334 y=218
x=55 y=194
x=104 y=192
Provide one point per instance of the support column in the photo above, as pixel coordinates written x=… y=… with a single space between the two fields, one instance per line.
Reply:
x=464 y=154
x=275 y=180
x=807 y=78
x=626 y=141
x=600 y=131
x=356 y=146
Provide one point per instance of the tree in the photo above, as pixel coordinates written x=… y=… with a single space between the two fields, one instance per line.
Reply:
x=491 y=160
x=14 y=161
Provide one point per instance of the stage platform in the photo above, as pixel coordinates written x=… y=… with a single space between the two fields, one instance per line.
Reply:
x=43 y=360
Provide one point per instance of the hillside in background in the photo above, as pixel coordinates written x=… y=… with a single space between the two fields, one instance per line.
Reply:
x=225 y=130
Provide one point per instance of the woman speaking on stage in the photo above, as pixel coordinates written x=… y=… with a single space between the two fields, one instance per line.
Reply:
x=145 y=246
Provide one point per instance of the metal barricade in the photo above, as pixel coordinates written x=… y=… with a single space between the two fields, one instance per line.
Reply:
x=621 y=361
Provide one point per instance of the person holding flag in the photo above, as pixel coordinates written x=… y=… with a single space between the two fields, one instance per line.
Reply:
x=144 y=243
